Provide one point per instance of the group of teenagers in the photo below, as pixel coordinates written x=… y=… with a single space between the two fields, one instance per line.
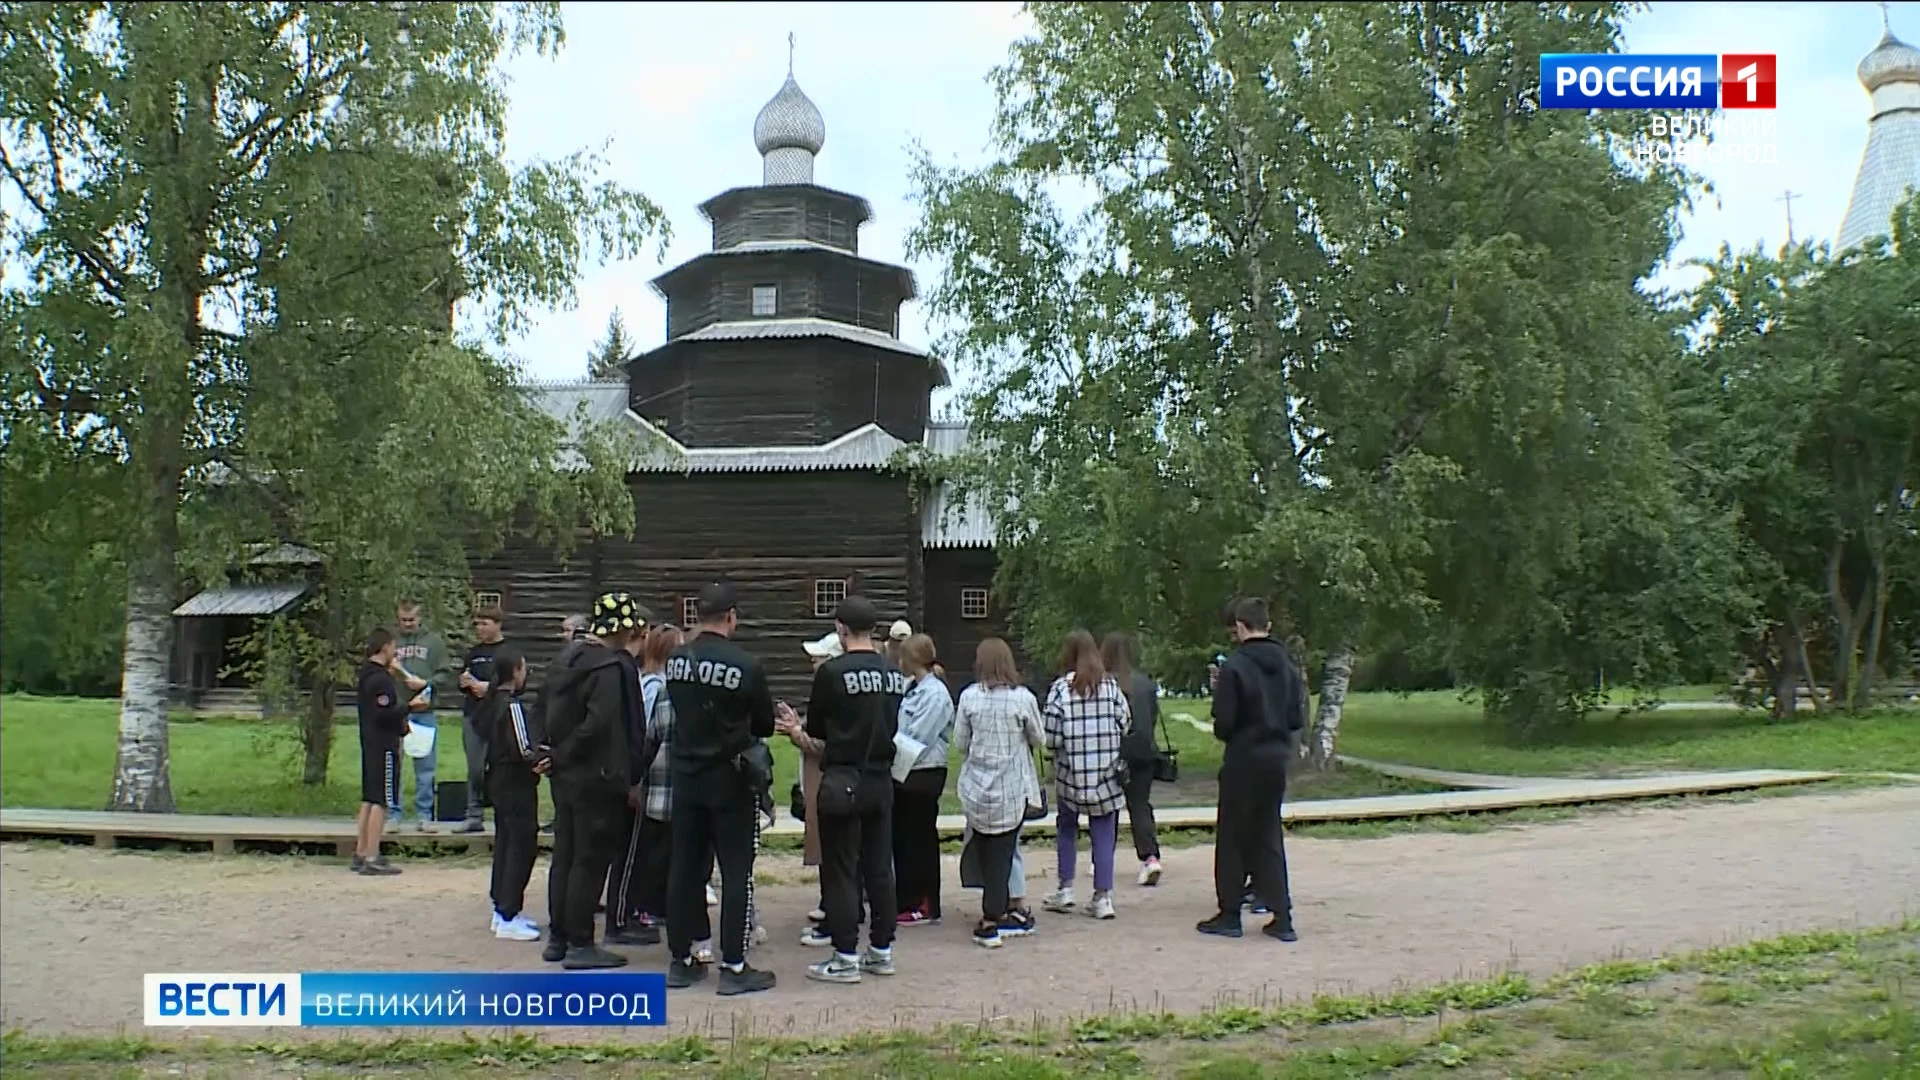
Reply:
x=655 y=746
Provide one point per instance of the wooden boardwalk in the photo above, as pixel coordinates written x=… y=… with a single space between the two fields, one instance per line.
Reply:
x=225 y=833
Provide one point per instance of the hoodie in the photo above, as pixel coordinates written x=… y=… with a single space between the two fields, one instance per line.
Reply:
x=1257 y=705
x=588 y=705
x=1143 y=699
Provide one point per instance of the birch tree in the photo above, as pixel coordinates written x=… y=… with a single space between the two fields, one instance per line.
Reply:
x=1341 y=282
x=201 y=185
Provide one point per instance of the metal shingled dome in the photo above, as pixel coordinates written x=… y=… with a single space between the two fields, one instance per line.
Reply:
x=1892 y=60
x=789 y=122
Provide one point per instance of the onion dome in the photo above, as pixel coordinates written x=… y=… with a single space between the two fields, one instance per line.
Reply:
x=788 y=133
x=1891 y=61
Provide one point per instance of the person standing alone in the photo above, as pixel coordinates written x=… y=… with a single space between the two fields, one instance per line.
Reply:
x=852 y=712
x=421 y=662
x=383 y=724
x=596 y=706
x=723 y=710
x=1258 y=712
x=475 y=675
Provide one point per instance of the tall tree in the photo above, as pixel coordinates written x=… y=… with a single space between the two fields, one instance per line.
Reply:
x=1330 y=294
x=1803 y=401
x=608 y=361
x=228 y=210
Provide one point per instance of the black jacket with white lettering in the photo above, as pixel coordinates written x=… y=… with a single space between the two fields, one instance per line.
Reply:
x=855 y=710
x=721 y=702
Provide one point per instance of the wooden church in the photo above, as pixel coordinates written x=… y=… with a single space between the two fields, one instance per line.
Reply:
x=768 y=423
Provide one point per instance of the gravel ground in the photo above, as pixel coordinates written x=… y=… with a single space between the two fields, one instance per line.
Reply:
x=80 y=926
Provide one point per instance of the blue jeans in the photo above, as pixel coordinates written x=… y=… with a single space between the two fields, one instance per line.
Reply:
x=423 y=771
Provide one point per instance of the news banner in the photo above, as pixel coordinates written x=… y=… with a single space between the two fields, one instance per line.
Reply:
x=407 y=999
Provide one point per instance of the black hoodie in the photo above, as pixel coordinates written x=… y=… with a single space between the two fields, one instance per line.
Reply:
x=589 y=706
x=1257 y=704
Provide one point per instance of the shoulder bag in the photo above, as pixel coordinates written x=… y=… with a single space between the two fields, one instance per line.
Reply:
x=1166 y=760
x=1036 y=811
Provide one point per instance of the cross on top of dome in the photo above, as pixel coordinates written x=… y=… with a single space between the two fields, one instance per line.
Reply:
x=788 y=132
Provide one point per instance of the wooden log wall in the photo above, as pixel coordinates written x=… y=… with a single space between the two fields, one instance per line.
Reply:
x=786 y=212
x=789 y=392
x=813 y=284
x=948 y=571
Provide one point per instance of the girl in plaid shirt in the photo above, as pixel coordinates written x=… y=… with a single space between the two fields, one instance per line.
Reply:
x=1086 y=717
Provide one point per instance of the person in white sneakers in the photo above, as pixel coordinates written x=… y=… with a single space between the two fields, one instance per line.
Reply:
x=1138 y=750
x=517 y=756
x=1086 y=715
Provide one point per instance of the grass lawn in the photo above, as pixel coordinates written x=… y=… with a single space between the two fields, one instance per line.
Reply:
x=1441 y=731
x=58 y=753
x=1822 y=1004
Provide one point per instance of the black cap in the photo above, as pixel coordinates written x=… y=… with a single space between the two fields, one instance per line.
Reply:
x=857 y=613
x=715 y=600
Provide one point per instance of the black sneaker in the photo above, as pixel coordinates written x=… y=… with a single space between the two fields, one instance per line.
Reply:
x=745 y=981
x=1222 y=925
x=684 y=973
x=547 y=829
x=1281 y=930
x=378 y=867
x=473 y=825
x=356 y=864
x=556 y=949
x=588 y=957
x=634 y=935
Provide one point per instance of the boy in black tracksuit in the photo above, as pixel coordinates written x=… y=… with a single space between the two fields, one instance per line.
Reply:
x=723 y=710
x=596 y=698
x=854 y=710
x=516 y=756
x=383 y=724
x=1258 y=713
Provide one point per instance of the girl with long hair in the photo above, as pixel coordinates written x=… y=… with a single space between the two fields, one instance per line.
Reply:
x=997 y=729
x=1137 y=749
x=926 y=717
x=1086 y=717
x=516 y=756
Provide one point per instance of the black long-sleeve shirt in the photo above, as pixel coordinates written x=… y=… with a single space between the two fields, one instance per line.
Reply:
x=721 y=702
x=383 y=712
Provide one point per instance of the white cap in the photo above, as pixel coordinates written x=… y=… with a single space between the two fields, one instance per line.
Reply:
x=901 y=630
x=826 y=648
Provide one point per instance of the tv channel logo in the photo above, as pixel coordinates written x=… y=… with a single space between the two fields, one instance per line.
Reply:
x=1657 y=81
x=182 y=1000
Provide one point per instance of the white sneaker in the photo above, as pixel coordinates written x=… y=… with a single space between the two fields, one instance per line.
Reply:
x=814 y=937
x=877 y=961
x=1149 y=873
x=392 y=826
x=713 y=898
x=1060 y=900
x=425 y=826
x=1102 y=906
x=514 y=929
x=703 y=952
x=526 y=922
x=836 y=969
x=816 y=915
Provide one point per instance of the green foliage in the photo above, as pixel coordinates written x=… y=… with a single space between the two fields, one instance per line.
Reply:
x=245 y=228
x=608 y=360
x=1801 y=402
x=1327 y=331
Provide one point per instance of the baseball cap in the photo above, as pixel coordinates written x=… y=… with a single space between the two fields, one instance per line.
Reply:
x=826 y=648
x=901 y=630
x=715 y=600
x=856 y=612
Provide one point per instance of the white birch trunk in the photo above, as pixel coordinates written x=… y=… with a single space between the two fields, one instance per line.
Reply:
x=1335 y=677
x=140 y=774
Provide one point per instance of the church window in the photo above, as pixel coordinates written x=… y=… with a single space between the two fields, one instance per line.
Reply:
x=827 y=594
x=485 y=600
x=973 y=603
x=766 y=301
x=689 y=611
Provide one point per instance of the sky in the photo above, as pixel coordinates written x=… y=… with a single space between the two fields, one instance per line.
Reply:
x=668 y=93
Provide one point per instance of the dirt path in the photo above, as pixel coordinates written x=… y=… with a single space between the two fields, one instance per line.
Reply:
x=80 y=927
